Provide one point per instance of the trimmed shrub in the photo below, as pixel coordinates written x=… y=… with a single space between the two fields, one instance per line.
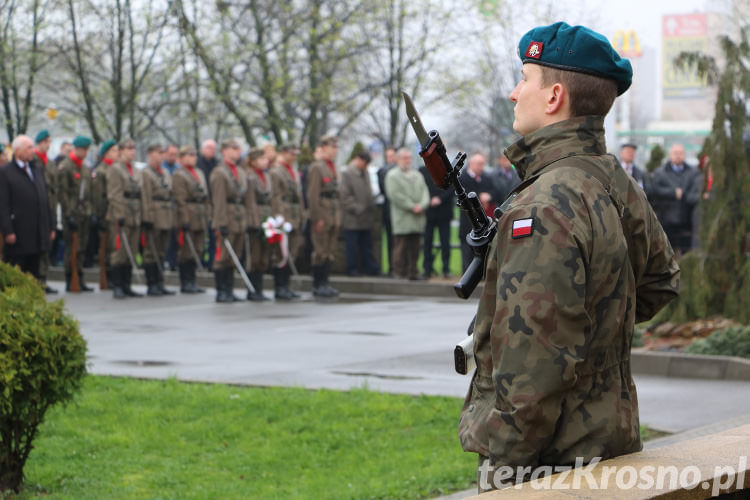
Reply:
x=732 y=341
x=42 y=362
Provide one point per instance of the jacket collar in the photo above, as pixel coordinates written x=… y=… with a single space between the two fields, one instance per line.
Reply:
x=582 y=135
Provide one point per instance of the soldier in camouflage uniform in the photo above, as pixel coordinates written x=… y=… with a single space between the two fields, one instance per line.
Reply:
x=108 y=154
x=157 y=219
x=229 y=220
x=286 y=200
x=325 y=214
x=46 y=165
x=74 y=196
x=124 y=219
x=190 y=191
x=578 y=259
x=258 y=206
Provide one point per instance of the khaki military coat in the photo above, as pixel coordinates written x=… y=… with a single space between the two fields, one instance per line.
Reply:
x=156 y=198
x=190 y=192
x=286 y=199
x=124 y=194
x=258 y=197
x=227 y=195
x=99 y=190
x=74 y=189
x=322 y=193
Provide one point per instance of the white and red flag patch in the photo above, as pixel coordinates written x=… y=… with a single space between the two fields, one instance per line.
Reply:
x=522 y=228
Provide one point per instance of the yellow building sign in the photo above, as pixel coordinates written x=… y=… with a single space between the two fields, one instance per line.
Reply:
x=626 y=43
x=682 y=33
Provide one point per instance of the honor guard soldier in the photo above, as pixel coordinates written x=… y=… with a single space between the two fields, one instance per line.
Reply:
x=579 y=257
x=74 y=196
x=108 y=154
x=228 y=185
x=258 y=206
x=124 y=219
x=325 y=214
x=157 y=219
x=286 y=200
x=46 y=165
x=190 y=191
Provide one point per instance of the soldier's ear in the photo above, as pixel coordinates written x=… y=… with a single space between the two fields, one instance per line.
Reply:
x=558 y=100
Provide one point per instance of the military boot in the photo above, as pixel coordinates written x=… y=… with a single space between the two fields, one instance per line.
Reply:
x=230 y=284
x=152 y=280
x=287 y=274
x=320 y=289
x=256 y=279
x=67 y=282
x=127 y=274
x=281 y=291
x=192 y=285
x=160 y=282
x=84 y=288
x=182 y=268
x=221 y=292
x=116 y=280
x=330 y=291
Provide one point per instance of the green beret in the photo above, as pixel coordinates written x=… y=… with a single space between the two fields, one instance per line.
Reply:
x=106 y=147
x=575 y=48
x=43 y=134
x=81 y=142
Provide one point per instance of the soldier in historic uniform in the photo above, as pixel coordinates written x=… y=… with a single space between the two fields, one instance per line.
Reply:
x=124 y=219
x=157 y=219
x=258 y=206
x=46 y=165
x=190 y=191
x=108 y=154
x=578 y=259
x=286 y=200
x=229 y=220
x=325 y=214
x=74 y=196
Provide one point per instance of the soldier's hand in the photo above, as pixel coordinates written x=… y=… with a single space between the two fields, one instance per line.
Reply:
x=10 y=239
x=148 y=226
x=72 y=224
x=121 y=222
x=319 y=225
x=224 y=231
x=51 y=235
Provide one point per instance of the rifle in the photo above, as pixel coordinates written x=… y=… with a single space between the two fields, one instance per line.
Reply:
x=102 y=260
x=483 y=228
x=75 y=285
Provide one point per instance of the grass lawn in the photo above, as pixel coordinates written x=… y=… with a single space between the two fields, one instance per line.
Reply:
x=125 y=438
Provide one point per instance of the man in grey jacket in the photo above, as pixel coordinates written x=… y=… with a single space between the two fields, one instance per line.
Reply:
x=409 y=198
x=357 y=216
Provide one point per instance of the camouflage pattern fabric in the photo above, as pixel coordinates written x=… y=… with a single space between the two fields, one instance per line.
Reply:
x=555 y=321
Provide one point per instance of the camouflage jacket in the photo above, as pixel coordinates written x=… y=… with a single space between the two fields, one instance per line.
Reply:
x=564 y=288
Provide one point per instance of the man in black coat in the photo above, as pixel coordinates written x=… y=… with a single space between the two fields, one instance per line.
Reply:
x=439 y=215
x=675 y=192
x=504 y=179
x=474 y=178
x=25 y=212
x=207 y=160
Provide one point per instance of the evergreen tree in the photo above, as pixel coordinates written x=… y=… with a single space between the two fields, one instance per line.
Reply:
x=716 y=279
x=657 y=156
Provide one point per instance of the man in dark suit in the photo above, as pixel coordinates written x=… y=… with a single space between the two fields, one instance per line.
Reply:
x=25 y=212
x=439 y=215
x=639 y=175
x=474 y=178
x=505 y=179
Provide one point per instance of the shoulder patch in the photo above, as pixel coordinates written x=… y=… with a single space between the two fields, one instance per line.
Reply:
x=522 y=228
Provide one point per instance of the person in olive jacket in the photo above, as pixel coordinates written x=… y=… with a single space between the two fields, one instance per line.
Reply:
x=357 y=216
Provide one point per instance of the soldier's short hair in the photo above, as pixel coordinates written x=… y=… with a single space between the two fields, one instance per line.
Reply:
x=126 y=143
x=154 y=147
x=253 y=155
x=329 y=140
x=230 y=144
x=589 y=94
x=364 y=156
x=186 y=150
x=288 y=148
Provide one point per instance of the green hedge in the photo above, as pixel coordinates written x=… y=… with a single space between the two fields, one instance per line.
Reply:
x=42 y=362
x=732 y=341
